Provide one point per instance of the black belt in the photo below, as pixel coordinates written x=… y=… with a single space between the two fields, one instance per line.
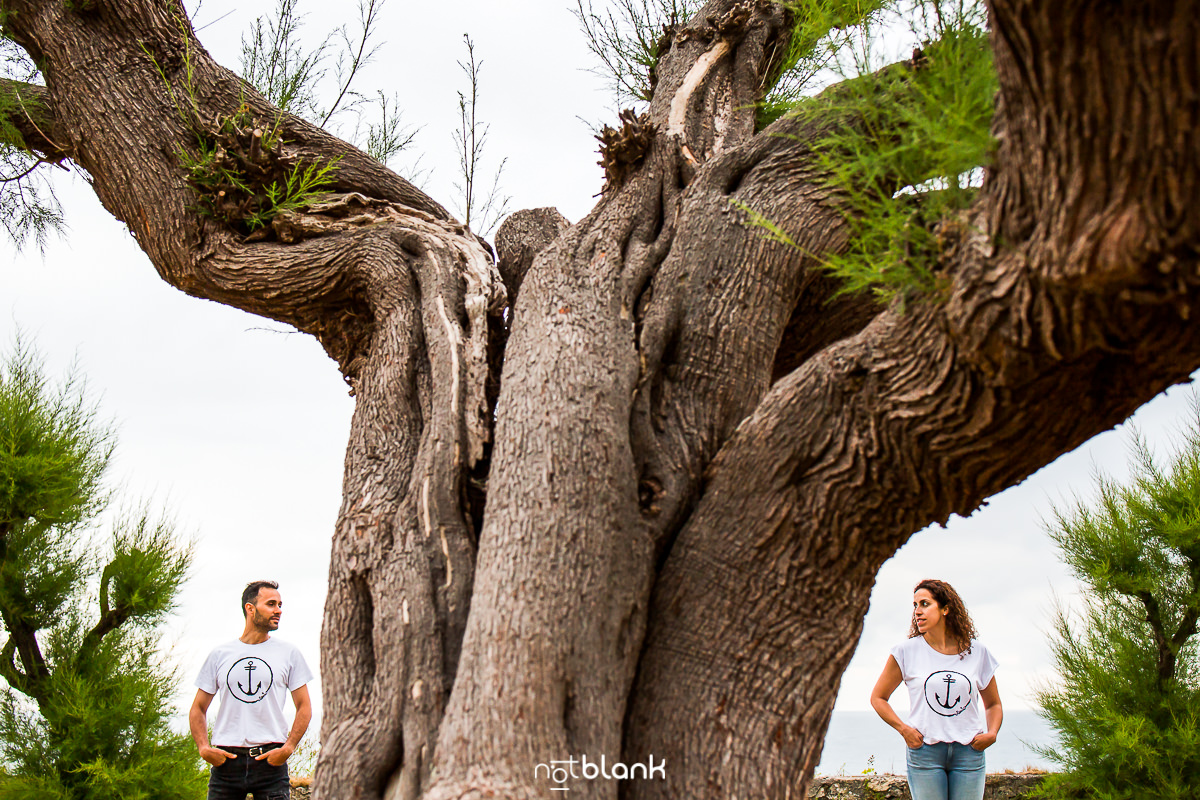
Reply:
x=253 y=752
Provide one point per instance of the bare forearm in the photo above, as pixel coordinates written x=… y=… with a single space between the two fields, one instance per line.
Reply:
x=888 y=714
x=198 y=723
x=995 y=718
x=299 y=726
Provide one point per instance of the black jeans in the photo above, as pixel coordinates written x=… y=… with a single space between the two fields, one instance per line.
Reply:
x=244 y=775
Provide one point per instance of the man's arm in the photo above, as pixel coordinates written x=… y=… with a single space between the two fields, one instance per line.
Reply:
x=198 y=722
x=299 y=726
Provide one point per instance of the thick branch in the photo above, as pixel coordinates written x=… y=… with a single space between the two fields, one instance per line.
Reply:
x=1166 y=655
x=394 y=289
x=520 y=238
x=23 y=640
x=9 y=671
x=110 y=618
x=30 y=113
x=928 y=412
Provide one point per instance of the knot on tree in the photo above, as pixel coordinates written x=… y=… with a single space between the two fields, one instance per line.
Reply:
x=520 y=238
x=622 y=149
x=344 y=329
x=732 y=24
x=243 y=178
x=734 y=21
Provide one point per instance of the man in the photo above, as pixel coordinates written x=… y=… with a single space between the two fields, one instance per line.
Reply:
x=252 y=674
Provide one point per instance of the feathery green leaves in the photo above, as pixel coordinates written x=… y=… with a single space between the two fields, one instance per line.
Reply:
x=86 y=707
x=1127 y=705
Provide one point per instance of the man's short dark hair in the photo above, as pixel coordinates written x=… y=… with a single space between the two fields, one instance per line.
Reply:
x=250 y=593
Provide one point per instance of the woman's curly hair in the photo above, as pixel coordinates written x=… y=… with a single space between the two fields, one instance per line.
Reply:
x=959 y=627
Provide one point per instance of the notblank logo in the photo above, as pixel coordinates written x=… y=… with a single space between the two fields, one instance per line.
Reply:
x=561 y=772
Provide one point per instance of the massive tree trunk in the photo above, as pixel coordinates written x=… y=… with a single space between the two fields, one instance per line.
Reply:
x=659 y=538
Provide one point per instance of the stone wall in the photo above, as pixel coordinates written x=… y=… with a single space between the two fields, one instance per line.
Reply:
x=877 y=787
x=1000 y=786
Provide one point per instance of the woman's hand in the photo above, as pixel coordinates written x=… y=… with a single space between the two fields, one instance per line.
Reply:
x=983 y=741
x=912 y=737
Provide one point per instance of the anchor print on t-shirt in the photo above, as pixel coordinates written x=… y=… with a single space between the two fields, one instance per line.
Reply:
x=249 y=679
x=948 y=693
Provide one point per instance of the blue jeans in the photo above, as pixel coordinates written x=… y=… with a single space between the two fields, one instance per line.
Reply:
x=946 y=771
x=243 y=775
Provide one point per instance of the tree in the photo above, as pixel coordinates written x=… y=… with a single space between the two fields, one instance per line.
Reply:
x=645 y=517
x=1126 y=706
x=88 y=699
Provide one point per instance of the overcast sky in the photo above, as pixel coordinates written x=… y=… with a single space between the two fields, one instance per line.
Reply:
x=238 y=427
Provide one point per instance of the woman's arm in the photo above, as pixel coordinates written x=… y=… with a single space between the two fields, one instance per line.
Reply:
x=889 y=679
x=994 y=712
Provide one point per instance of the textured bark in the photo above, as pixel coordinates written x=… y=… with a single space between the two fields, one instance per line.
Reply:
x=638 y=507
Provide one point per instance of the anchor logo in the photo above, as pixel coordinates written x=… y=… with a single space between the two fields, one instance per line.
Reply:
x=958 y=693
x=254 y=688
x=250 y=667
x=949 y=679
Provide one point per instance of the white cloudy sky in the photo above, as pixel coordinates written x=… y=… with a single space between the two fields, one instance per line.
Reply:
x=238 y=428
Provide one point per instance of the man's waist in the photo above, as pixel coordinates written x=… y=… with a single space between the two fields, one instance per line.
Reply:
x=253 y=751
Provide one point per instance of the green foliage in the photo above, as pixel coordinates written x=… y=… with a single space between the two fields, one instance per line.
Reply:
x=52 y=456
x=242 y=177
x=903 y=147
x=275 y=63
x=626 y=37
x=1127 y=708
x=907 y=142
x=290 y=76
x=85 y=710
x=904 y=164
x=29 y=209
x=238 y=170
x=823 y=31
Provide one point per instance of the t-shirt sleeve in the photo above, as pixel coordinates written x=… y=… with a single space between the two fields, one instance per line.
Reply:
x=987 y=668
x=898 y=652
x=299 y=674
x=207 y=679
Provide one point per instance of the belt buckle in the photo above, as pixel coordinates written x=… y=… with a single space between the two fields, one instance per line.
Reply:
x=255 y=752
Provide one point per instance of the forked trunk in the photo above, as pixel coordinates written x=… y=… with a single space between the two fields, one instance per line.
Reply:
x=654 y=542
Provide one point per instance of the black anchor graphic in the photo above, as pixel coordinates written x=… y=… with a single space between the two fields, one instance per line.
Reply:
x=949 y=679
x=250 y=667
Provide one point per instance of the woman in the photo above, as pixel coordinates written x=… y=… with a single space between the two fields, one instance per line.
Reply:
x=944 y=672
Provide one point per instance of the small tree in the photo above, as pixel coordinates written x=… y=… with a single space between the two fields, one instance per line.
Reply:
x=85 y=711
x=1128 y=707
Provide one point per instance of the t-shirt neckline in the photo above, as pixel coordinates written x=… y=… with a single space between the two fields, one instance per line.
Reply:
x=935 y=650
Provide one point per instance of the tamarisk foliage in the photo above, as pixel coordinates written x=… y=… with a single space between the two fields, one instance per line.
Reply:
x=86 y=699
x=1127 y=709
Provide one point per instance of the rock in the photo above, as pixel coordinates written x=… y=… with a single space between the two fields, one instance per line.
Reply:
x=1000 y=786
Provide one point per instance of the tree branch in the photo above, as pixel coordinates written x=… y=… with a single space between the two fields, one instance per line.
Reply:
x=9 y=671
x=23 y=639
x=31 y=115
x=929 y=410
x=110 y=619
x=1166 y=654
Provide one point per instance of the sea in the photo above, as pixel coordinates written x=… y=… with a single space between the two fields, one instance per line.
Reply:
x=860 y=742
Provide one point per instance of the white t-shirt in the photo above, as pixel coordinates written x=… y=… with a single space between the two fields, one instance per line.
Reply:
x=943 y=691
x=252 y=682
